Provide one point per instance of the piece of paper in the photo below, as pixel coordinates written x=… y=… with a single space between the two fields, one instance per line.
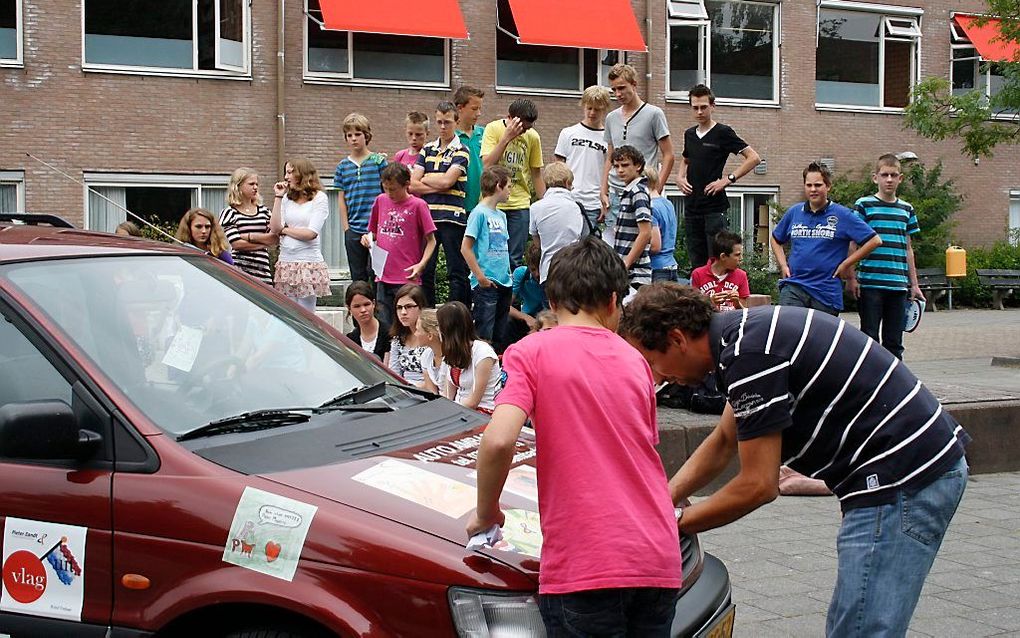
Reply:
x=609 y=236
x=268 y=533
x=43 y=569
x=183 y=349
x=431 y=490
x=379 y=256
x=488 y=538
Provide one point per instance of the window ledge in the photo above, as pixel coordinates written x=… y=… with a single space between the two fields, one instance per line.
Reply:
x=378 y=84
x=517 y=90
x=169 y=73
x=11 y=64
x=684 y=99
x=846 y=108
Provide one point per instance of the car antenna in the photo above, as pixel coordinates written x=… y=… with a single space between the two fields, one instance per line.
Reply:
x=123 y=208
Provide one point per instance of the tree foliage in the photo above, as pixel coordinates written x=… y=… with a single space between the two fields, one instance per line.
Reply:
x=935 y=113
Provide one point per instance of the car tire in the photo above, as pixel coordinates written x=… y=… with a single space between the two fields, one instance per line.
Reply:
x=274 y=632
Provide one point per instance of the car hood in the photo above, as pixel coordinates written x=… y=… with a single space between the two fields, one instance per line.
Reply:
x=432 y=488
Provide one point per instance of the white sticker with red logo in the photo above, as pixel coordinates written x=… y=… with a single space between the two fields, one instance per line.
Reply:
x=43 y=568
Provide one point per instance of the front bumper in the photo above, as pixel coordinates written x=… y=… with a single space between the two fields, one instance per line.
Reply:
x=703 y=602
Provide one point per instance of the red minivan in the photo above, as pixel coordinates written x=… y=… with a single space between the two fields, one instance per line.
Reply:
x=184 y=452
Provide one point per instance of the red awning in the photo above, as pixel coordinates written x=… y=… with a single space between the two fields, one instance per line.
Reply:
x=437 y=18
x=987 y=39
x=605 y=24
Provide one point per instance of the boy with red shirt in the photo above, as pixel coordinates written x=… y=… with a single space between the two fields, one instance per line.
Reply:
x=611 y=554
x=721 y=279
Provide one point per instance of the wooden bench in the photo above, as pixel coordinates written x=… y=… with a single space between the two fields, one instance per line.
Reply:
x=934 y=284
x=1002 y=282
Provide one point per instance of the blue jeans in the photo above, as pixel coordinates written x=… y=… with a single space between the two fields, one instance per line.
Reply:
x=610 y=613
x=613 y=212
x=490 y=309
x=664 y=274
x=885 y=553
x=517 y=226
x=882 y=310
x=795 y=295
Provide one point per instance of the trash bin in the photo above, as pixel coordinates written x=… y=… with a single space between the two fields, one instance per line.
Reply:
x=956 y=262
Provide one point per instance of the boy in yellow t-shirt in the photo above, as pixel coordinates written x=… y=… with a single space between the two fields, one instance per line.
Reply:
x=513 y=143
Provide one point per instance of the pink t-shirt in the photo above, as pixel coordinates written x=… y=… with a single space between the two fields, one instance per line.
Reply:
x=406 y=156
x=607 y=519
x=706 y=282
x=400 y=229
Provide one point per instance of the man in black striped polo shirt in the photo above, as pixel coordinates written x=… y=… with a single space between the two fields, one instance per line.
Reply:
x=808 y=390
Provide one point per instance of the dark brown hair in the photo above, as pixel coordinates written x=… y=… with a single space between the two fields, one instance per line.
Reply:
x=457 y=329
x=724 y=241
x=660 y=307
x=701 y=90
x=822 y=169
x=628 y=152
x=308 y=179
x=362 y=288
x=395 y=172
x=417 y=295
x=584 y=276
x=494 y=177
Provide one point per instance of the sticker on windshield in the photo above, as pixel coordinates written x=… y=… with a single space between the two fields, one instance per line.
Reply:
x=434 y=491
x=43 y=569
x=268 y=533
x=183 y=350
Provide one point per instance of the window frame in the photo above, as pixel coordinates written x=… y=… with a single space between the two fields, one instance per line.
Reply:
x=705 y=55
x=348 y=78
x=225 y=73
x=18 y=61
x=884 y=12
x=958 y=40
x=150 y=180
x=17 y=180
x=1013 y=230
x=746 y=214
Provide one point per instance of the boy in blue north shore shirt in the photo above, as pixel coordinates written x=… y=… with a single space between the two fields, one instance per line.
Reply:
x=487 y=253
x=358 y=179
x=888 y=274
x=819 y=233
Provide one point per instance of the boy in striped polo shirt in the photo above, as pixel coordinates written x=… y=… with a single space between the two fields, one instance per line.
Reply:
x=358 y=180
x=632 y=235
x=440 y=178
x=885 y=276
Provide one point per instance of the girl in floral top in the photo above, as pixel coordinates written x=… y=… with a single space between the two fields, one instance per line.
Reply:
x=407 y=344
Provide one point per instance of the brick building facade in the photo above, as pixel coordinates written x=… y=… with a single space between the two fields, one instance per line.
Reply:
x=79 y=89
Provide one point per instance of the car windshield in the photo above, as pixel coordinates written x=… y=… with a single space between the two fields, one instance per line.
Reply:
x=188 y=343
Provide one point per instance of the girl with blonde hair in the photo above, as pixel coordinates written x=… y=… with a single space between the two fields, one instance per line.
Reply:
x=300 y=209
x=245 y=223
x=199 y=228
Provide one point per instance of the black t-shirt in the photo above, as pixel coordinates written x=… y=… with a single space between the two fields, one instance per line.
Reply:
x=707 y=157
x=850 y=413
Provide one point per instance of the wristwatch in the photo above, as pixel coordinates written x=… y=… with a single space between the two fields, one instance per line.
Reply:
x=732 y=178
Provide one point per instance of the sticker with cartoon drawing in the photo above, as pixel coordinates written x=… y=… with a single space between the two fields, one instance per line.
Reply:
x=268 y=533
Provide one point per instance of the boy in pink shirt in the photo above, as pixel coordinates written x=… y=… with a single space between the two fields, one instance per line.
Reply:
x=611 y=552
x=416 y=128
x=721 y=279
x=402 y=225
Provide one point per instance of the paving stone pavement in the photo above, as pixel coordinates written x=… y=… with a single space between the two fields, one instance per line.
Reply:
x=782 y=564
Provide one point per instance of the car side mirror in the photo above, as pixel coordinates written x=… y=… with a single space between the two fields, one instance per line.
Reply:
x=44 y=430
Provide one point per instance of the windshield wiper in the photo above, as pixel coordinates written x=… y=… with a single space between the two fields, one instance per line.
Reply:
x=265 y=419
x=367 y=393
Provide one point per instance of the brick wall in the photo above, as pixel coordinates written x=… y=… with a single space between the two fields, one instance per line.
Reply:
x=90 y=121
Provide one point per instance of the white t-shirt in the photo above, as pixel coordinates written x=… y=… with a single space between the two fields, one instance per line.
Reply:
x=480 y=351
x=584 y=150
x=369 y=346
x=438 y=374
x=311 y=215
x=557 y=221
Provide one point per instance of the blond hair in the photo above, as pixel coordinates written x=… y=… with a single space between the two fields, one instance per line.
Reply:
x=308 y=179
x=557 y=174
x=237 y=178
x=623 y=71
x=652 y=176
x=596 y=97
x=428 y=322
x=358 y=122
x=218 y=243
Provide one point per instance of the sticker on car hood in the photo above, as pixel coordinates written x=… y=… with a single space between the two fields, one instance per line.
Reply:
x=428 y=489
x=268 y=533
x=43 y=569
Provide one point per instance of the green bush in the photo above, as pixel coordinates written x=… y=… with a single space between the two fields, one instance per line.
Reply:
x=1004 y=255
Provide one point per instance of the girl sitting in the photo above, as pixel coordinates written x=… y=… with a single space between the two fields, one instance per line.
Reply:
x=199 y=228
x=474 y=369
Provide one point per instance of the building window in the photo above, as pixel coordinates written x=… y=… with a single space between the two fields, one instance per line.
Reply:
x=372 y=57
x=749 y=214
x=159 y=199
x=12 y=192
x=195 y=36
x=1014 y=217
x=969 y=71
x=734 y=49
x=10 y=32
x=865 y=58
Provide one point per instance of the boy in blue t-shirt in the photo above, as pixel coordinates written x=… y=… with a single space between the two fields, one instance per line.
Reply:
x=358 y=179
x=820 y=233
x=888 y=274
x=663 y=243
x=487 y=253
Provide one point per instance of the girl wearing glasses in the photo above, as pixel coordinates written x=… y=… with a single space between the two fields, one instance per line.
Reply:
x=407 y=343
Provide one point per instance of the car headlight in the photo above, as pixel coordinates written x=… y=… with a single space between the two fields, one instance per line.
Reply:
x=481 y=614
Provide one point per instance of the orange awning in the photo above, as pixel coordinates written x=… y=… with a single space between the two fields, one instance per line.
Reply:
x=605 y=24
x=987 y=39
x=437 y=18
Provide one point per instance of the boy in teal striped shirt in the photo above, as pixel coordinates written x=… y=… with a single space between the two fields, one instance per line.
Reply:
x=887 y=276
x=358 y=182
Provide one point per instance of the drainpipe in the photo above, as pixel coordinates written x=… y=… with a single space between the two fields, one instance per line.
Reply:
x=281 y=115
x=648 y=57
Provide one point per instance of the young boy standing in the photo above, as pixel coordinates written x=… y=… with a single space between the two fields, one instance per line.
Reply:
x=468 y=101
x=583 y=148
x=416 y=129
x=556 y=219
x=440 y=177
x=611 y=556
x=664 y=223
x=633 y=231
x=887 y=276
x=401 y=225
x=358 y=180
x=486 y=250
x=721 y=279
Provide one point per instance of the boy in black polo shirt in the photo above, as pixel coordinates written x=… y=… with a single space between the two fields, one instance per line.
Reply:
x=707 y=146
x=806 y=389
